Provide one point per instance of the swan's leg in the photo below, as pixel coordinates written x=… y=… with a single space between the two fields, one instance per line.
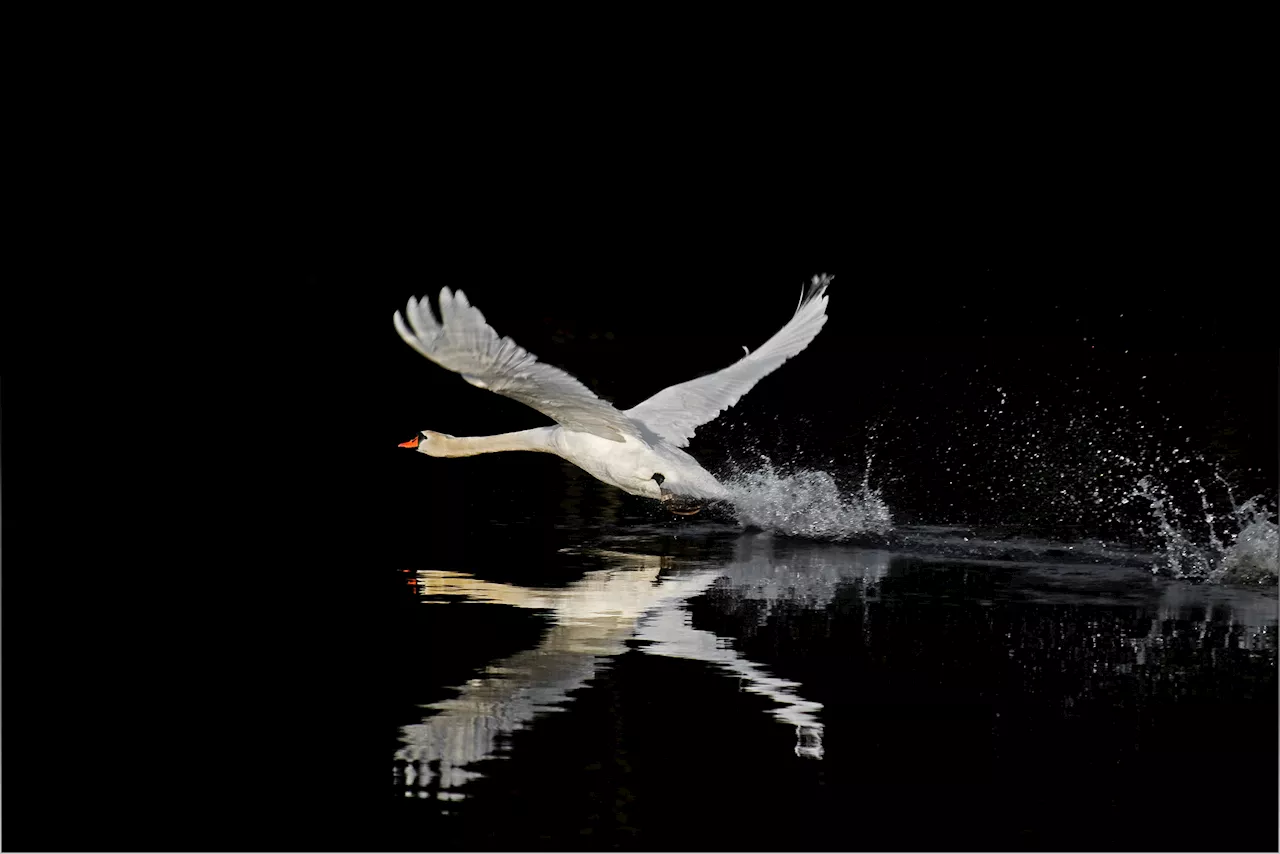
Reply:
x=681 y=505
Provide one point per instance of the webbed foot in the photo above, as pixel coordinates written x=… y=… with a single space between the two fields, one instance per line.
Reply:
x=681 y=505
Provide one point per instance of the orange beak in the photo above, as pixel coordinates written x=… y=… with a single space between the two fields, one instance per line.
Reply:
x=412 y=443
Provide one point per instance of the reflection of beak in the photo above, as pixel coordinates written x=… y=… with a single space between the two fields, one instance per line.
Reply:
x=412 y=443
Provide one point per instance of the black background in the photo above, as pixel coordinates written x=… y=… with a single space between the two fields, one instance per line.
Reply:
x=195 y=709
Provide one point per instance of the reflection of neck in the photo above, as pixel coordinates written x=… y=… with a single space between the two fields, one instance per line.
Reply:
x=537 y=439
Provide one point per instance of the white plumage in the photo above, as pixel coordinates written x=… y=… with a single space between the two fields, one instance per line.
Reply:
x=624 y=449
x=676 y=412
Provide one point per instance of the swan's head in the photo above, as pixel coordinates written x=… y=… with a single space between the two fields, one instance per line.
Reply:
x=429 y=442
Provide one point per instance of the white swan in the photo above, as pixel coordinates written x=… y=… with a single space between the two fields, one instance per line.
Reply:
x=639 y=450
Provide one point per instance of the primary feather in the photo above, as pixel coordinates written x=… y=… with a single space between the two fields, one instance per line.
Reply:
x=463 y=342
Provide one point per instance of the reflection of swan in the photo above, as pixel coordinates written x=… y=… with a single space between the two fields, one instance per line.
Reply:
x=638 y=450
x=592 y=618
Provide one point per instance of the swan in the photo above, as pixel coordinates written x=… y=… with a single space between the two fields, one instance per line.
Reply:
x=638 y=450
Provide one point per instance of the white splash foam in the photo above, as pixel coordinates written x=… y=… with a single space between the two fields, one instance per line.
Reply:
x=806 y=503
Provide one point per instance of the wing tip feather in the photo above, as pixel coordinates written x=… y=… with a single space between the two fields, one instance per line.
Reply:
x=815 y=290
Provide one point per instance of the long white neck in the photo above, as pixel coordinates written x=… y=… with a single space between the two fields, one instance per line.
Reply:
x=537 y=439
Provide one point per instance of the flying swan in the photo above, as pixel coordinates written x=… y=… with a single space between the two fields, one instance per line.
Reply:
x=637 y=450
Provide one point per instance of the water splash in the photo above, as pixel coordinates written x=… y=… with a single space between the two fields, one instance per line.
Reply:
x=1075 y=469
x=1241 y=546
x=806 y=503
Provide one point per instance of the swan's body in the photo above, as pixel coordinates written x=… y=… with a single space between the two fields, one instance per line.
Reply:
x=639 y=450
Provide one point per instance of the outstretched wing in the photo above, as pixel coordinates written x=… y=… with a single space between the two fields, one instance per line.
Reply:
x=464 y=343
x=676 y=412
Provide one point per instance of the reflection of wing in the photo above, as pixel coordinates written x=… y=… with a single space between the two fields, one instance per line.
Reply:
x=464 y=343
x=676 y=412
x=672 y=633
x=466 y=729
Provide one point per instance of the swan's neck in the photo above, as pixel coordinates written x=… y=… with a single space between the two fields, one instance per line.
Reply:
x=537 y=439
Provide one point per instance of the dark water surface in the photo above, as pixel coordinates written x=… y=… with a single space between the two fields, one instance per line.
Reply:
x=588 y=673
